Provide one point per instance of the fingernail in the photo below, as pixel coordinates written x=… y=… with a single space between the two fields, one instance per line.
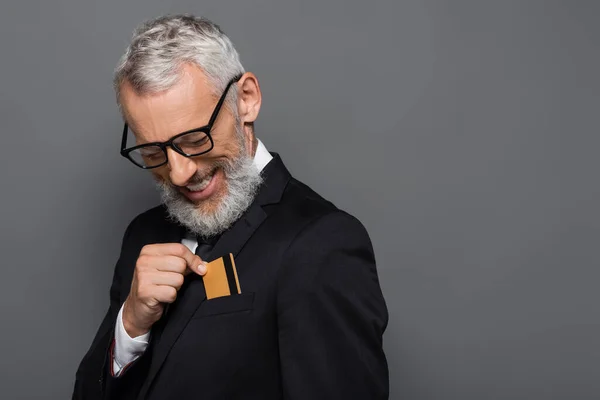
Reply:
x=202 y=268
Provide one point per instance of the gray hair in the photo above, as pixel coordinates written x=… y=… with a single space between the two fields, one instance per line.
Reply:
x=160 y=47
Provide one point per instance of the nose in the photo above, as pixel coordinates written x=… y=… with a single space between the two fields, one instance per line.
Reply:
x=181 y=168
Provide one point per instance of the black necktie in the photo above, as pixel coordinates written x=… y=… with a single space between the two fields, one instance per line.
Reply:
x=205 y=246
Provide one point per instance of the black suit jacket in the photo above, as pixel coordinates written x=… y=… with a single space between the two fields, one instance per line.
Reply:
x=308 y=324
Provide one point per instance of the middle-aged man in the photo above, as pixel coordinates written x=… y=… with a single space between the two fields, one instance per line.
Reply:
x=299 y=313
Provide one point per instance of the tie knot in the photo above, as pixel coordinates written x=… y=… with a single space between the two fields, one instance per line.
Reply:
x=210 y=241
x=205 y=246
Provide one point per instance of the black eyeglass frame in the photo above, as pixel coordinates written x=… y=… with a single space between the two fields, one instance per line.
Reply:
x=125 y=152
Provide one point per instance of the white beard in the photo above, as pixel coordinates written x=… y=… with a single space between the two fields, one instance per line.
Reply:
x=242 y=179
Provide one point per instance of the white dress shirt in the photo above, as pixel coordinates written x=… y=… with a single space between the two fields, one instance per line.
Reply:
x=128 y=349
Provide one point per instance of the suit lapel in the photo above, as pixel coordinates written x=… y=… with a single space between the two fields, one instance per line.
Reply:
x=234 y=239
x=275 y=178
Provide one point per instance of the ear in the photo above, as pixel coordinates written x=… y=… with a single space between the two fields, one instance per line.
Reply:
x=249 y=98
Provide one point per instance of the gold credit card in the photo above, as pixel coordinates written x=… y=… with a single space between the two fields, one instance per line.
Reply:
x=221 y=278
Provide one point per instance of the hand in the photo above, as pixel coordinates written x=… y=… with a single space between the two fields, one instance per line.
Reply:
x=159 y=273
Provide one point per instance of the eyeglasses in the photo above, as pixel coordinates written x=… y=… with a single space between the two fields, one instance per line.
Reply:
x=189 y=143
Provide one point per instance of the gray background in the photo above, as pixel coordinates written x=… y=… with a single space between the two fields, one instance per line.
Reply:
x=464 y=134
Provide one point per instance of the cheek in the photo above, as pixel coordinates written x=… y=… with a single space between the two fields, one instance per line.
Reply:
x=227 y=143
x=222 y=183
x=228 y=149
x=161 y=174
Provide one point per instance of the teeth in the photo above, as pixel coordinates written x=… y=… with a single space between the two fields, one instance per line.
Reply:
x=199 y=186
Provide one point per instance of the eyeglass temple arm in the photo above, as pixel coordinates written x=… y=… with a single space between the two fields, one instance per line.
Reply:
x=222 y=99
x=124 y=138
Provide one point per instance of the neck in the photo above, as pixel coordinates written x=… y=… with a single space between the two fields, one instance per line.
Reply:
x=254 y=145
x=251 y=140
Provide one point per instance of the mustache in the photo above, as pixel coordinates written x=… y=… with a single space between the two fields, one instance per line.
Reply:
x=199 y=176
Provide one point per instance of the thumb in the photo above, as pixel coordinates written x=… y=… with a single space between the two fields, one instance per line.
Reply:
x=197 y=266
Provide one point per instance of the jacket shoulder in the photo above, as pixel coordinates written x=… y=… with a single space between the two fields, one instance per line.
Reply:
x=303 y=202
x=301 y=206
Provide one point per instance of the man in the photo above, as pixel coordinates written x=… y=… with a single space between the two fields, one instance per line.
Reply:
x=302 y=314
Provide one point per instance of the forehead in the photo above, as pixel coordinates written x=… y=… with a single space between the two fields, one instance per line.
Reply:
x=186 y=105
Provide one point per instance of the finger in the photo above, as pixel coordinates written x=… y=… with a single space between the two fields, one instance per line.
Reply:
x=172 y=279
x=194 y=262
x=164 y=263
x=165 y=293
x=199 y=267
x=165 y=249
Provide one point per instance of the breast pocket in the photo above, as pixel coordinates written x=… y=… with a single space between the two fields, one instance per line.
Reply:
x=235 y=303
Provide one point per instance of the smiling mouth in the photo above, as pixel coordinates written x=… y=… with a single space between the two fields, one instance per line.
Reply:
x=201 y=185
x=203 y=190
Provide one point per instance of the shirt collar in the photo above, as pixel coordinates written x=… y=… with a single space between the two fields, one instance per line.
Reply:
x=262 y=156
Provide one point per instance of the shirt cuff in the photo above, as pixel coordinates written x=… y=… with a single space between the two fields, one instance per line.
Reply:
x=126 y=348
